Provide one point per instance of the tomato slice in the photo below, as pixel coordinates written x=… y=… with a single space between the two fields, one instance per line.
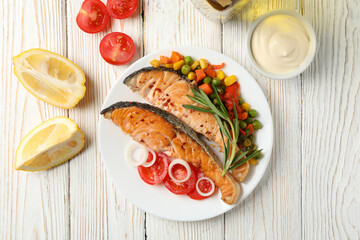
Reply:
x=117 y=48
x=92 y=17
x=204 y=186
x=121 y=9
x=157 y=172
x=181 y=188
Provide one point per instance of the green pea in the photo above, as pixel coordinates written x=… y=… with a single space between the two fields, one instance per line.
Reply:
x=257 y=125
x=207 y=79
x=222 y=86
x=247 y=142
x=253 y=113
x=216 y=81
x=212 y=96
x=198 y=67
x=241 y=101
x=242 y=124
x=248 y=120
x=215 y=101
x=188 y=60
x=219 y=90
x=185 y=69
x=258 y=155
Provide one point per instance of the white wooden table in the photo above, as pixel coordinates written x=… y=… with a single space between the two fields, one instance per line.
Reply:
x=311 y=189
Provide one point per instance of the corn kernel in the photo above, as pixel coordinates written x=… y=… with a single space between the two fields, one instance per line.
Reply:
x=194 y=65
x=169 y=65
x=230 y=80
x=191 y=76
x=220 y=75
x=204 y=63
x=253 y=161
x=179 y=64
x=245 y=106
x=155 y=63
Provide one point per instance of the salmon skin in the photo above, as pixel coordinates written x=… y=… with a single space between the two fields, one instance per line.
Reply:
x=163 y=132
x=167 y=89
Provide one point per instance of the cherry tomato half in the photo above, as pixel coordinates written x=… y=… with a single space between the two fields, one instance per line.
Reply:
x=117 y=48
x=92 y=17
x=204 y=186
x=157 y=172
x=181 y=188
x=121 y=9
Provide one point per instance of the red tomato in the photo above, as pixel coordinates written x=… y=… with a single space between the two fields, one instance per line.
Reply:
x=92 y=17
x=181 y=188
x=117 y=48
x=233 y=90
x=204 y=186
x=121 y=9
x=157 y=172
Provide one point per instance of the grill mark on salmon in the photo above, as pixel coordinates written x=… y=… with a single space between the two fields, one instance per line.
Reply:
x=167 y=89
x=163 y=132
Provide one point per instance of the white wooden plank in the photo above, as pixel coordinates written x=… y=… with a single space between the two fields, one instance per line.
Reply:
x=97 y=210
x=273 y=210
x=173 y=24
x=331 y=113
x=33 y=205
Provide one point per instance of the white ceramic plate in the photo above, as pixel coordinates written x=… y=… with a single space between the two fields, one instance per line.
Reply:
x=158 y=200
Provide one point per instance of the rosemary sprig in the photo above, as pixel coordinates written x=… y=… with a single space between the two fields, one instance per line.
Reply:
x=229 y=129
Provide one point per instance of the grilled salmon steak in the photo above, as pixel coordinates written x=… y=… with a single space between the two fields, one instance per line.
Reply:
x=163 y=132
x=167 y=89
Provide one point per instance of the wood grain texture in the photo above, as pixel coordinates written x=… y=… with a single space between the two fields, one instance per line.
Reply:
x=273 y=210
x=330 y=123
x=32 y=205
x=97 y=210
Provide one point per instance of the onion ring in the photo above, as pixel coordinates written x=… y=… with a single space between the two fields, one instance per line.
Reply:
x=212 y=187
x=149 y=164
x=185 y=164
x=130 y=150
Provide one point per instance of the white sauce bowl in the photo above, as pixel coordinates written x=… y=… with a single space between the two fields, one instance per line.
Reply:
x=309 y=58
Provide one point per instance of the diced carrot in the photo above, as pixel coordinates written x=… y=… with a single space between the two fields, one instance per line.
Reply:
x=251 y=128
x=200 y=75
x=206 y=87
x=210 y=72
x=217 y=66
x=175 y=57
x=243 y=116
x=164 y=60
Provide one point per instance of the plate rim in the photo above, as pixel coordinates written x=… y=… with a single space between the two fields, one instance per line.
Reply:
x=271 y=123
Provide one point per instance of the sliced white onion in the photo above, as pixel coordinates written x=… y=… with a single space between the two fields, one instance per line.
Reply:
x=212 y=187
x=149 y=164
x=181 y=162
x=138 y=160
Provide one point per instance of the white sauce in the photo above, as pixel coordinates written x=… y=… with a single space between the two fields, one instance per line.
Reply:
x=280 y=44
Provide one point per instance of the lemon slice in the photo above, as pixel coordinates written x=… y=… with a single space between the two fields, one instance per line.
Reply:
x=50 y=77
x=49 y=144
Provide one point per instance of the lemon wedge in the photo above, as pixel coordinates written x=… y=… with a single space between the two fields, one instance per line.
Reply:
x=50 y=77
x=49 y=144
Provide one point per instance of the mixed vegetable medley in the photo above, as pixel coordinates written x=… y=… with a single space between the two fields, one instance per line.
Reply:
x=223 y=92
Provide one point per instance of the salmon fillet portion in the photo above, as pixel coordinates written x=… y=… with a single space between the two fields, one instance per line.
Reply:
x=167 y=89
x=163 y=132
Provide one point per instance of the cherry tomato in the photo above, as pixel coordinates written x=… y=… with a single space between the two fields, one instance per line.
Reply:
x=157 y=172
x=204 y=186
x=181 y=188
x=117 y=48
x=92 y=17
x=121 y=9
